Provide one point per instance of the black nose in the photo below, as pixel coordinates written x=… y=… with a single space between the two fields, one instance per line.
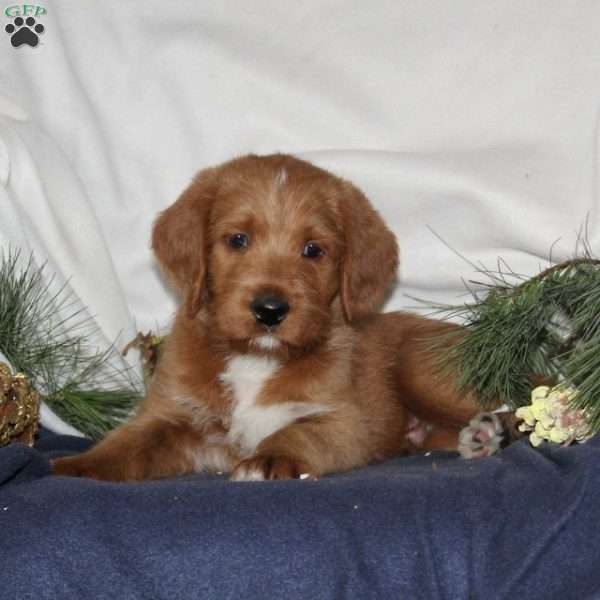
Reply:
x=269 y=310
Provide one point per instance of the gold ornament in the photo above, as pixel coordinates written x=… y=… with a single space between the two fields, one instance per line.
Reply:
x=19 y=408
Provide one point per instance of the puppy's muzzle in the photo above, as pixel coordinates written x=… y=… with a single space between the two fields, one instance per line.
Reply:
x=269 y=310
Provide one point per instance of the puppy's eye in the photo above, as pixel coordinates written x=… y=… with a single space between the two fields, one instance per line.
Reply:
x=312 y=250
x=238 y=241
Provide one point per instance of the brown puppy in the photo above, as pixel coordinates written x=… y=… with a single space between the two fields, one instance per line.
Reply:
x=278 y=364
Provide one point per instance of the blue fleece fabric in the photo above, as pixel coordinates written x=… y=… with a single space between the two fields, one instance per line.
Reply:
x=522 y=524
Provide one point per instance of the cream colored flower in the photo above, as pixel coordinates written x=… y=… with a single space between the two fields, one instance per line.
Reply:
x=524 y=412
x=534 y=439
x=540 y=392
x=550 y=417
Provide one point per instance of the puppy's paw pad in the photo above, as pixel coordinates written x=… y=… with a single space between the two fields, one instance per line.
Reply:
x=261 y=468
x=482 y=437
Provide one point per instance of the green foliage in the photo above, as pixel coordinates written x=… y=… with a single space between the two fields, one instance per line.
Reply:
x=519 y=331
x=93 y=411
x=46 y=336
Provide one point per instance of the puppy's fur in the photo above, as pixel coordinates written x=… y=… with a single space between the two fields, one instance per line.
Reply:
x=321 y=383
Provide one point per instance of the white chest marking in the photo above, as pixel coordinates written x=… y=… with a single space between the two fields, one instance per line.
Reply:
x=245 y=376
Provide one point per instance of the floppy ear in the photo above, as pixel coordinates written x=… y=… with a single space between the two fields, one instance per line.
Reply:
x=370 y=260
x=179 y=239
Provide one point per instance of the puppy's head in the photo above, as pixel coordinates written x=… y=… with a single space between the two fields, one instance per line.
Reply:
x=273 y=249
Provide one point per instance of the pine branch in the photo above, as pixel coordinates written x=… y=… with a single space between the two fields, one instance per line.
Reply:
x=546 y=327
x=46 y=336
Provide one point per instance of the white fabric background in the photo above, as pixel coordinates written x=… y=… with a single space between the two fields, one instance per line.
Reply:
x=477 y=119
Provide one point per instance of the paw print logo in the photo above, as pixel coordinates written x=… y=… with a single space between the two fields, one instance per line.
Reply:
x=24 y=31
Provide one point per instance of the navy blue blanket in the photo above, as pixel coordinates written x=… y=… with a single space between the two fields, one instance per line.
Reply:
x=522 y=524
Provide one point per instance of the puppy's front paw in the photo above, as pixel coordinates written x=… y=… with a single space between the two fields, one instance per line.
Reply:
x=261 y=468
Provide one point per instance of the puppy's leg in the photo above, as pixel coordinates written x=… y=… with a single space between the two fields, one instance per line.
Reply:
x=307 y=449
x=144 y=448
x=429 y=392
x=441 y=438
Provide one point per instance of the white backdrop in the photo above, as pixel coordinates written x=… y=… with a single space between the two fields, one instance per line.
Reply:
x=477 y=119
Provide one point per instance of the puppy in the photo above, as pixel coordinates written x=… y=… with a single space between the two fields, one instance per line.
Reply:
x=278 y=365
